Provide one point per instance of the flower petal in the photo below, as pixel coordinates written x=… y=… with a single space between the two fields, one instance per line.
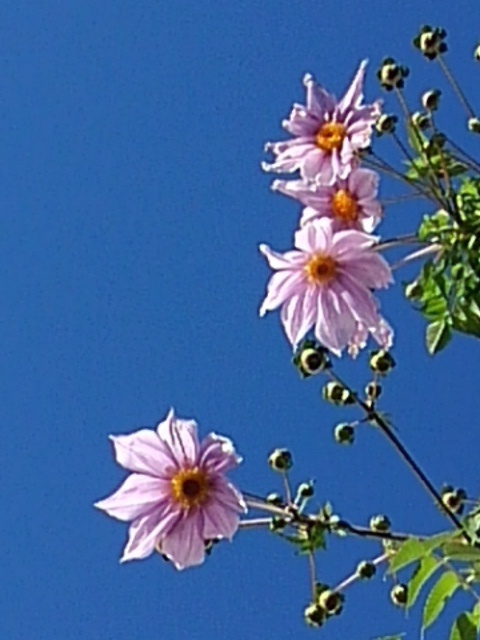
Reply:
x=287 y=260
x=185 y=545
x=137 y=495
x=146 y=531
x=143 y=452
x=298 y=315
x=217 y=454
x=354 y=94
x=181 y=438
x=219 y=522
x=282 y=286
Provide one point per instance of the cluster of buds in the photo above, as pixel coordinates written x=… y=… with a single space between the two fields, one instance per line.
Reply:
x=327 y=603
x=392 y=75
x=431 y=42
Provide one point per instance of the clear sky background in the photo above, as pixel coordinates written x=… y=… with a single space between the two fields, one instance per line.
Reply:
x=131 y=207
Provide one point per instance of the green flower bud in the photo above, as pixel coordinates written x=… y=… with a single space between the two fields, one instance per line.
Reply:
x=280 y=460
x=314 y=615
x=438 y=140
x=399 y=595
x=385 y=124
x=305 y=490
x=331 y=602
x=274 y=498
x=379 y=523
x=311 y=358
x=431 y=42
x=277 y=523
x=392 y=75
x=336 y=393
x=474 y=125
x=381 y=362
x=366 y=570
x=344 y=433
x=431 y=99
x=476 y=53
x=373 y=391
x=422 y=121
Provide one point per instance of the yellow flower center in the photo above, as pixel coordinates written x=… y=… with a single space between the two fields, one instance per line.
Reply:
x=344 y=207
x=330 y=136
x=190 y=487
x=320 y=269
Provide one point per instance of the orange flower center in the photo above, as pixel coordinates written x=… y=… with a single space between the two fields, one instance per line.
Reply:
x=344 y=207
x=330 y=136
x=190 y=487
x=320 y=269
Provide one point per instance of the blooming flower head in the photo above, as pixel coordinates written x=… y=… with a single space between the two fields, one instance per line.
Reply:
x=327 y=132
x=351 y=203
x=326 y=284
x=176 y=497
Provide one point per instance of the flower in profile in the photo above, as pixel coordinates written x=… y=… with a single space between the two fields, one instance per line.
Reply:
x=350 y=203
x=176 y=497
x=326 y=284
x=327 y=133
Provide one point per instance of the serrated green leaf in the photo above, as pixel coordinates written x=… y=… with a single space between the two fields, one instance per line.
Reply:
x=408 y=552
x=438 y=335
x=464 y=628
x=443 y=589
x=425 y=569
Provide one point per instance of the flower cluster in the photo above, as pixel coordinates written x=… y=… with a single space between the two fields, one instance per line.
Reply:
x=327 y=282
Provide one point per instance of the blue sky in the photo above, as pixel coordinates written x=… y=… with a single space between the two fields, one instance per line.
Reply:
x=132 y=205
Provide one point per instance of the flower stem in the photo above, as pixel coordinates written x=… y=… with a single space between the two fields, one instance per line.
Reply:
x=354 y=576
x=456 y=87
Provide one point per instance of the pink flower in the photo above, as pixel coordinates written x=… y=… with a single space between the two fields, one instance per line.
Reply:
x=177 y=497
x=327 y=133
x=327 y=284
x=351 y=203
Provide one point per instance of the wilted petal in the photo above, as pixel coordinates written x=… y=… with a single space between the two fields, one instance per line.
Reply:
x=185 y=545
x=137 y=495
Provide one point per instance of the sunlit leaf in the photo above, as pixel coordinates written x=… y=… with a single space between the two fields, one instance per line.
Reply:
x=443 y=589
x=464 y=628
x=425 y=569
x=437 y=336
x=408 y=552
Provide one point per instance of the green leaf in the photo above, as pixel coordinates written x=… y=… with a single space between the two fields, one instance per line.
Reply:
x=408 y=552
x=461 y=552
x=464 y=628
x=416 y=139
x=436 y=541
x=443 y=589
x=425 y=569
x=438 y=335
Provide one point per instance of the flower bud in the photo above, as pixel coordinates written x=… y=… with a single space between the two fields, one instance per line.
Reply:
x=438 y=140
x=413 y=290
x=381 y=362
x=344 y=433
x=373 y=391
x=399 y=595
x=474 y=125
x=311 y=358
x=305 y=490
x=331 y=602
x=431 y=42
x=476 y=53
x=385 y=124
x=392 y=75
x=453 y=499
x=314 y=615
x=336 y=393
x=366 y=570
x=277 y=523
x=274 y=498
x=379 y=523
x=280 y=460
x=431 y=99
x=421 y=121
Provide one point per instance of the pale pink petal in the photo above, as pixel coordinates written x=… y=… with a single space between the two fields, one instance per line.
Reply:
x=298 y=315
x=181 y=438
x=185 y=545
x=219 y=522
x=314 y=237
x=143 y=452
x=146 y=531
x=358 y=299
x=346 y=243
x=354 y=94
x=226 y=494
x=282 y=286
x=137 y=495
x=370 y=269
x=318 y=101
x=217 y=454
x=312 y=163
x=363 y=183
x=287 y=260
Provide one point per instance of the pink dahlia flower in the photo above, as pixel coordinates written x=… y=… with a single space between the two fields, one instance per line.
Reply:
x=326 y=284
x=327 y=133
x=176 y=497
x=350 y=203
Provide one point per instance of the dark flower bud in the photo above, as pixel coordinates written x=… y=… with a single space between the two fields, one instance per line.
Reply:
x=344 y=433
x=421 y=121
x=476 y=53
x=305 y=490
x=399 y=595
x=379 y=523
x=381 y=362
x=386 y=123
x=392 y=75
x=280 y=460
x=431 y=99
x=413 y=290
x=366 y=570
x=474 y=125
x=438 y=140
x=336 y=393
x=453 y=499
x=431 y=42
x=314 y=615
x=274 y=498
x=277 y=523
x=373 y=391
x=331 y=602
x=311 y=358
